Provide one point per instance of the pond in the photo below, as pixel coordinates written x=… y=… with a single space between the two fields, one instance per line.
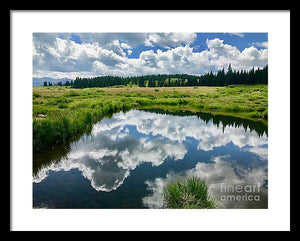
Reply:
x=127 y=161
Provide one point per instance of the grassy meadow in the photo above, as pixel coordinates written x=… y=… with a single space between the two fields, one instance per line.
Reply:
x=60 y=112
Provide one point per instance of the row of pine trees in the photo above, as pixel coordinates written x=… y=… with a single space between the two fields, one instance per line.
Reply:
x=221 y=78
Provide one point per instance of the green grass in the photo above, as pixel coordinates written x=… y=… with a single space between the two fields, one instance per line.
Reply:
x=189 y=194
x=67 y=112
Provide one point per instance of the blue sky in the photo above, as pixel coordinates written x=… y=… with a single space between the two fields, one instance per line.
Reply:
x=58 y=55
x=199 y=43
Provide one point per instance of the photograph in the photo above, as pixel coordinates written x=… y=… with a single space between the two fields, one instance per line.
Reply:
x=166 y=120
x=151 y=120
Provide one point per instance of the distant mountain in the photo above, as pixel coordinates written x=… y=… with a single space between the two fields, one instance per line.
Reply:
x=40 y=81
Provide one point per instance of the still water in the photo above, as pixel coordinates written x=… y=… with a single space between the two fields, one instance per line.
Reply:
x=128 y=159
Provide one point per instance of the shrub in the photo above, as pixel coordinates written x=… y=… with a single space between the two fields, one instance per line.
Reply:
x=233 y=108
x=261 y=109
x=200 y=106
x=265 y=115
x=255 y=115
x=191 y=193
x=144 y=101
x=212 y=107
x=151 y=97
x=182 y=102
x=136 y=95
x=62 y=106
x=36 y=95
x=71 y=93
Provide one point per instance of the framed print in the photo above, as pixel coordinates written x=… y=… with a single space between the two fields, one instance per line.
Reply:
x=150 y=120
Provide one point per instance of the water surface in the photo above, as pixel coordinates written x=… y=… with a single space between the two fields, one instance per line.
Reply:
x=127 y=160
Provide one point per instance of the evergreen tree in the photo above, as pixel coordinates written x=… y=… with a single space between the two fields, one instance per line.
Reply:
x=171 y=80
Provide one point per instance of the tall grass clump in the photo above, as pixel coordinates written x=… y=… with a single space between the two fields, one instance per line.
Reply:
x=188 y=194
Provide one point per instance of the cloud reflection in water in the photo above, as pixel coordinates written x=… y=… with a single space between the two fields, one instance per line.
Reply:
x=216 y=173
x=116 y=146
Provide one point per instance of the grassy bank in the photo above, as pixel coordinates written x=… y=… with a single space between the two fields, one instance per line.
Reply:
x=60 y=113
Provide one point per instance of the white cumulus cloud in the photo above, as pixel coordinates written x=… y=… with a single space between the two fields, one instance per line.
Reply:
x=107 y=54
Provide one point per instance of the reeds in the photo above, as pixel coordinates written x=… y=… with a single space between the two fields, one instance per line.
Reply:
x=189 y=194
